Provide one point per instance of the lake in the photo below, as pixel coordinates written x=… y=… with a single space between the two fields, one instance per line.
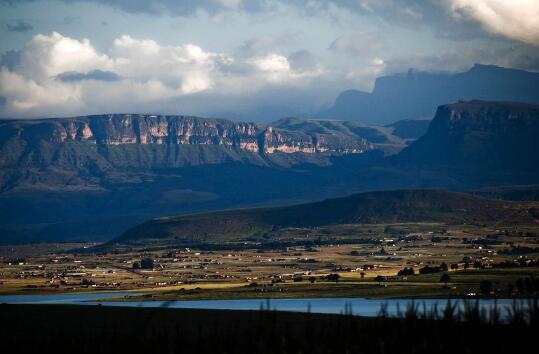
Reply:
x=355 y=306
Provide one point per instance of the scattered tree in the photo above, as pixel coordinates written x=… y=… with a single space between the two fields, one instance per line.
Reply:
x=486 y=287
x=478 y=265
x=443 y=267
x=445 y=278
x=406 y=271
x=429 y=270
x=146 y=263
x=87 y=282
x=379 y=279
x=333 y=277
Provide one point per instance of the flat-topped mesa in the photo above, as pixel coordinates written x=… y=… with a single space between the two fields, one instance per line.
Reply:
x=120 y=129
x=480 y=135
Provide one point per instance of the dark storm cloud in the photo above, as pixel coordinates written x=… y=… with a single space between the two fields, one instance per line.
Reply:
x=92 y=75
x=19 y=26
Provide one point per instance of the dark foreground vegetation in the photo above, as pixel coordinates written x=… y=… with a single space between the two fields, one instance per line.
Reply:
x=100 y=329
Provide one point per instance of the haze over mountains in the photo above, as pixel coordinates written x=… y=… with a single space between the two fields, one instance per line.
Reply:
x=93 y=177
x=416 y=94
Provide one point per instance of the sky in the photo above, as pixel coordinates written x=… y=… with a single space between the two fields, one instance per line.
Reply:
x=241 y=59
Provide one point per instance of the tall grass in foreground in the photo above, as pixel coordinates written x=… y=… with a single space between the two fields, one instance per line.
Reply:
x=457 y=327
x=521 y=312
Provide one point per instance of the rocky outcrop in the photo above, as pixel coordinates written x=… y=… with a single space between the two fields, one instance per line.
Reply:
x=120 y=129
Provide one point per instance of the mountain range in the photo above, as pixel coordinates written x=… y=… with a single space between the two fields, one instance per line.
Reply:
x=88 y=152
x=416 y=94
x=93 y=177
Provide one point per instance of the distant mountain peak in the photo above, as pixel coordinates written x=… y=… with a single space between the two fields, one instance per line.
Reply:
x=483 y=67
x=418 y=93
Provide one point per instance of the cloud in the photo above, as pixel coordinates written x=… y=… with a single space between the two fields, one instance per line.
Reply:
x=513 y=19
x=19 y=26
x=521 y=56
x=268 y=43
x=177 y=7
x=91 y=75
x=48 y=56
x=10 y=59
x=23 y=94
x=302 y=60
x=54 y=74
x=357 y=43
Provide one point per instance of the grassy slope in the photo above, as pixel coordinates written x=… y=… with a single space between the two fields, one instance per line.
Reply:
x=375 y=207
x=520 y=193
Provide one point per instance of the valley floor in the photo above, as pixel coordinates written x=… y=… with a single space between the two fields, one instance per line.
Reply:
x=447 y=261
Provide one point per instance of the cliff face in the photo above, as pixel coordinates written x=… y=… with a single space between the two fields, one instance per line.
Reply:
x=120 y=129
x=94 y=151
x=480 y=135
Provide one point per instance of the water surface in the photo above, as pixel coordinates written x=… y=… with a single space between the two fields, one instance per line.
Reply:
x=355 y=306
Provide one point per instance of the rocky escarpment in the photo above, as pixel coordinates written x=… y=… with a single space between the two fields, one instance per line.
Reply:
x=121 y=129
x=94 y=151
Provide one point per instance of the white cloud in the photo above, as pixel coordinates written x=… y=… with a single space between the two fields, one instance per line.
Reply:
x=146 y=74
x=514 y=19
x=371 y=70
x=187 y=68
x=24 y=94
x=47 y=56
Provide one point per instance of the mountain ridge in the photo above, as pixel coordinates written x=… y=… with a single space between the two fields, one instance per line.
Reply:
x=365 y=208
x=118 y=129
x=416 y=94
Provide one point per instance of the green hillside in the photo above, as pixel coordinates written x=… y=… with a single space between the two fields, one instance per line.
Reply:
x=364 y=208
